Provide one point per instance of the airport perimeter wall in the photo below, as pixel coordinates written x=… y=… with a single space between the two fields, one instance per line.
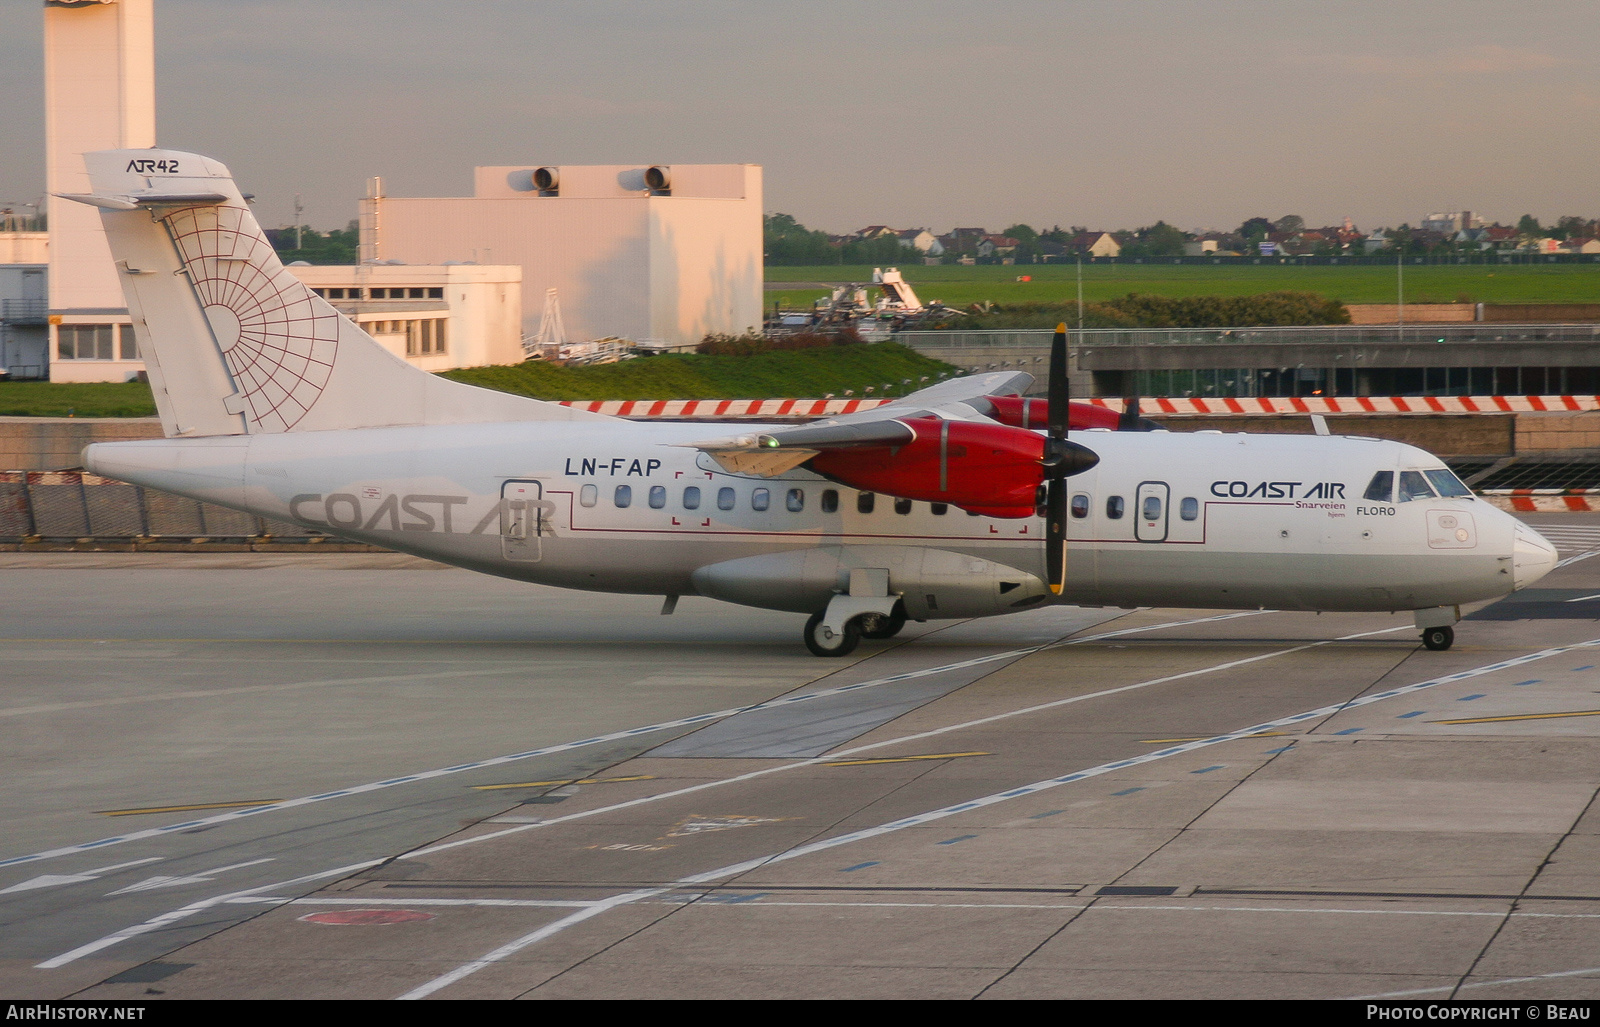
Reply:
x=56 y=444
x=74 y=510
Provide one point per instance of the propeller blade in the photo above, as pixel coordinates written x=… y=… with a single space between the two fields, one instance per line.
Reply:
x=1129 y=421
x=1059 y=414
x=1055 y=534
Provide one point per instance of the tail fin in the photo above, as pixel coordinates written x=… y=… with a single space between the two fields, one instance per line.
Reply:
x=235 y=344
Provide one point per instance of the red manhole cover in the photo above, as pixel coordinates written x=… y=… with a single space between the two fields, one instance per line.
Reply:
x=367 y=916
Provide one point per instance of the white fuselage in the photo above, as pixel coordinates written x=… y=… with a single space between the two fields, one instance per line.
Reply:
x=1238 y=520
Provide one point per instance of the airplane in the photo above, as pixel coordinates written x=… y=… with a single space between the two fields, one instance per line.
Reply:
x=962 y=500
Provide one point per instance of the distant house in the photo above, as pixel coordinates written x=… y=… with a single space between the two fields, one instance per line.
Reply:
x=998 y=245
x=1095 y=244
x=1200 y=247
x=921 y=240
x=1583 y=244
x=1500 y=237
x=875 y=232
x=1375 y=241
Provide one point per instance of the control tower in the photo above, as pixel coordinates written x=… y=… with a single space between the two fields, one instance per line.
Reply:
x=99 y=94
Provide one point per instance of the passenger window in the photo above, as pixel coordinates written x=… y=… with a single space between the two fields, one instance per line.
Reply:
x=1381 y=488
x=1448 y=484
x=691 y=498
x=795 y=500
x=1414 y=486
x=830 y=500
x=724 y=499
x=760 y=499
x=1114 y=507
x=588 y=495
x=865 y=501
x=623 y=496
x=938 y=509
x=1152 y=508
x=902 y=506
x=1080 y=505
x=1189 y=509
x=658 y=496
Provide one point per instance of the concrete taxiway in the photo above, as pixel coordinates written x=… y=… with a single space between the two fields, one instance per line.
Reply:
x=367 y=776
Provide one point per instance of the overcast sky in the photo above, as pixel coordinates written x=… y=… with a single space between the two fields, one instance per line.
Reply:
x=1105 y=113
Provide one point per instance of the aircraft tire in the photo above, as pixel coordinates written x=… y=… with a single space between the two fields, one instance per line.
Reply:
x=889 y=626
x=1438 y=639
x=832 y=645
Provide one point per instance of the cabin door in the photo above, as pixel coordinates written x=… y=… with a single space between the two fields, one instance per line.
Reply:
x=524 y=518
x=1150 y=514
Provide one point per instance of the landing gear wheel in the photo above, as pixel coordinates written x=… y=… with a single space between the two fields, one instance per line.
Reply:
x=823 y=642
x=1438 y=639
x=876 y=625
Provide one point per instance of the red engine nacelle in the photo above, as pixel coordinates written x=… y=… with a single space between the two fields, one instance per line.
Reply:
x=1035 y=413
x=988 y=469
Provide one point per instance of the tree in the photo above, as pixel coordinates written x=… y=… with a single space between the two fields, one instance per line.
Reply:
x=1256 y=229
x=1157 y=240
x=1289 y=224
x=339 y=246
x=1529 y=226
x=1027 y=242
x=787 y=241
x=1570 y=227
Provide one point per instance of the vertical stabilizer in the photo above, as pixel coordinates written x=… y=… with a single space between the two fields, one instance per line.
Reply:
x=235 y=344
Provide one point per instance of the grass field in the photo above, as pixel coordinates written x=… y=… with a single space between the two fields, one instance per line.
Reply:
x=800 y=374
x=61 y=399
x=810 y=373
x=1056 y=283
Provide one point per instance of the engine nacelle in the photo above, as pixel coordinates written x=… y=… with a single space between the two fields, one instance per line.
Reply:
x=990 y=468
x=1020 y=412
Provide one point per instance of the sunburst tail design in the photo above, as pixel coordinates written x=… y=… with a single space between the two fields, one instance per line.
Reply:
x=233 y=342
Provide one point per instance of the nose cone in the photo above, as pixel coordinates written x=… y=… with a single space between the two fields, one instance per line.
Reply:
x=1531 y=557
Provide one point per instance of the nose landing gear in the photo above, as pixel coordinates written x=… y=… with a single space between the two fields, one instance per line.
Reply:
x=1436 y=624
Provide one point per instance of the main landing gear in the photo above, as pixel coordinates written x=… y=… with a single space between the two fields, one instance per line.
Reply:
x=1438 y=639
x=824 y=639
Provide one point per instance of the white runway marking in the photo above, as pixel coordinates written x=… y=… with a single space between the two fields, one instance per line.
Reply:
x=203 y=877
x=511 y=948
x=52 y=880
x=856 y=750
x=164 y=919
x=1487 y=984
x=184 y=912
x=703 y=718
x=1087 y=903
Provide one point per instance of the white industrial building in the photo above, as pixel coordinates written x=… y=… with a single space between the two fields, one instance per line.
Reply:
x=435 y=316
x=653 y=253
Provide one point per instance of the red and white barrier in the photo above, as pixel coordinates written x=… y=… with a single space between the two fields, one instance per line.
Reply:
x=709 y=408
x=1358 y=404
x=1544 y=500
x=1152 y=406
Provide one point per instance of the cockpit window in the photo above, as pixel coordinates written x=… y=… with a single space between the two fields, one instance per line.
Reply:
x=1413 y=486
x=1448 y=484
x=1381 y=488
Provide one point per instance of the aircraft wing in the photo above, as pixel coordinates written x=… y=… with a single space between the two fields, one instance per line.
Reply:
x=772 y=453
x=942 y=396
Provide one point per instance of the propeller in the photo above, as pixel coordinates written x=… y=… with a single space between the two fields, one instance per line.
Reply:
x=1062 y=459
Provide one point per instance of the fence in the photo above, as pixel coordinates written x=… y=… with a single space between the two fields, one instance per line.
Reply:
x=77 y=507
